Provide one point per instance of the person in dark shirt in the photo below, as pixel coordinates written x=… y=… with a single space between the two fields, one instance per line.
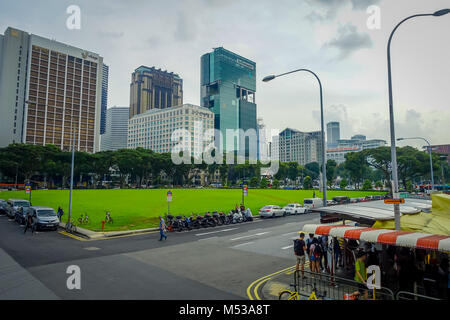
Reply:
x=299 y=251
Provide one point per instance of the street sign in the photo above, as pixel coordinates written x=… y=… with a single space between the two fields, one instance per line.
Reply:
x=27 y=189
x=244 y=190
x=393 y=201
x=169 y=196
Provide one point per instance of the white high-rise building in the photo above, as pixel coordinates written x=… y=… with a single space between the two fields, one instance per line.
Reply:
x=154 y=129
x=302 y=147
x=49 y=90
x=333 y=134
x=116 y=129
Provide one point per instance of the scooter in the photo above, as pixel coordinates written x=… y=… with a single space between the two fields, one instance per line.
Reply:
x=216 y=218
x=237 y=217
x=209 y=220
x=187 y=223
x=180 y=223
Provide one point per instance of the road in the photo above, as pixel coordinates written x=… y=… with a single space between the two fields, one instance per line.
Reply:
x=212 y=263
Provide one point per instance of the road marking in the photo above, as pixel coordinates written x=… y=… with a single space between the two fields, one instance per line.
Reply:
x=73 y=236
x=259 y=281
x=287 y=247
x=251 y=235
x=209 y=238
x=285 y=234
x=224 y=230
x=91 y=248
x=242 y=244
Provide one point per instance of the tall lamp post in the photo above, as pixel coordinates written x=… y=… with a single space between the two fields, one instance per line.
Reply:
x=391 y=112
x=71 y=177
x=324 y=172
x=431 y=157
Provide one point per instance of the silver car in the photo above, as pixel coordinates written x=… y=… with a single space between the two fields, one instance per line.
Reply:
x=44 y=217
x=271 y=211
x=14 y=205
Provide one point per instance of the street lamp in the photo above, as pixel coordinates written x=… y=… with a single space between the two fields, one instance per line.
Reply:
x=391 y=113
x=431 y=158
x=324 y=172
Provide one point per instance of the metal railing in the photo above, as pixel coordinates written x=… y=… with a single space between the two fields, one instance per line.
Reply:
x=334 y=288
x=405 y=295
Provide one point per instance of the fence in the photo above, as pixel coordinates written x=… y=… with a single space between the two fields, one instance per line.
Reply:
x=404 y=295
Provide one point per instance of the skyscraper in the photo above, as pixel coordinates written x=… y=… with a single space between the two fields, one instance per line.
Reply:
x=116 y=129
x=228 y=86
x=333 y=134
x=302 y=147
x=47 y=91
x=154 y=89
x=104 y=98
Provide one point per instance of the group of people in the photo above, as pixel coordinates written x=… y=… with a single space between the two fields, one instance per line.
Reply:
x=402 y=269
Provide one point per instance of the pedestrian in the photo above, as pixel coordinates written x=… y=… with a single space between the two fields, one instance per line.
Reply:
x=60 y=213
x=242 y=208
x=361 y=275
x=324 y=245
x=314 y=194
x=299 y=251
x=309 y=241
x=162 y=229
x=317 y=252
x=29 y=223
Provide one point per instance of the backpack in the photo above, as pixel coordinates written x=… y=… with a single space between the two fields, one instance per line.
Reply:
x=308 y=244
x=297 y=246
x=317 y=250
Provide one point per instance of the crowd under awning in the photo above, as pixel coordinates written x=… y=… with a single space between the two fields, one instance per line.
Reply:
x=383 y=236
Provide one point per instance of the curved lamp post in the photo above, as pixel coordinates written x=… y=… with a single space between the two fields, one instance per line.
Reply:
x=431 y=158
x=324 y=172
x=391 y=112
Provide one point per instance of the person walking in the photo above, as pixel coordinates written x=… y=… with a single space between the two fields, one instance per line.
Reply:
x=299 y=251
x=162 y=229
x=309 y=242
x=60 y=213
x=29 y=223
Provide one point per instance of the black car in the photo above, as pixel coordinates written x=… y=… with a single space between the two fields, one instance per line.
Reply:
x=3 y=205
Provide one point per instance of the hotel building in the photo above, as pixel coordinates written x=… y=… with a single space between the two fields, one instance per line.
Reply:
x=47 y=91
x=154 y=128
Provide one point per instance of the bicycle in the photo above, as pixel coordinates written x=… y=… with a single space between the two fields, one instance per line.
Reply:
x=108 y=218
x=294 y=295
x=70 y=227
x=84 y=220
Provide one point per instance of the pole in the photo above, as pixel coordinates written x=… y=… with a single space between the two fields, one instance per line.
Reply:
x=392 y=128
x=71 y=176
x=431 y=167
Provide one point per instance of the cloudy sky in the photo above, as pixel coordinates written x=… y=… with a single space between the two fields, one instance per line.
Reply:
x=330 y=37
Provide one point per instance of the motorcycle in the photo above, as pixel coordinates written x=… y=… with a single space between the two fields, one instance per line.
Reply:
x=223 y=218
x=209 y=220
x=180 y=223
x=216 y=218
x=237 y=217
x=195 y=222
x=187 y=223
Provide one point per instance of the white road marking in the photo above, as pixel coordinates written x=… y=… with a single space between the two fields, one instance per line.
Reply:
x=285 y=234
x=251 y=235
x=242 y=244
x=287 y=247
x=224 y=230
x=91 y=248
x=207 y=238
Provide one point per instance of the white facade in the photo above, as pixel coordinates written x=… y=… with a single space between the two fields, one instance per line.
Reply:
x=116 y=129
x=333 y=134
x=155 y=129
x=302 y=147
x=275 y=148
x=355 y=144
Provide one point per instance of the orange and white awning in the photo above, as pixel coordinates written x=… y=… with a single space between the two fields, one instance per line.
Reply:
x=384 y=236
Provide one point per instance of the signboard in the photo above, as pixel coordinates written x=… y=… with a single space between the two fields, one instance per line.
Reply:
x=404 y=195
x=393 y=201
x=244 y=190
x=169 y=196
x=27 y=188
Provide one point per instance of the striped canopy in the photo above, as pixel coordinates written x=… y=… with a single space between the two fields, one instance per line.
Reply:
x=384 y=236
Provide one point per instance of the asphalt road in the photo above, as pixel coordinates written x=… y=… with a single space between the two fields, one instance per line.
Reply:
x=211 y=263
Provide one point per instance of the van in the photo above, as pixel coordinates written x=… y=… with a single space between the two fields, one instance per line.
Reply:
x=312 y=203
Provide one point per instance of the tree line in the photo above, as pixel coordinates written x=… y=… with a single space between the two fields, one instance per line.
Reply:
x=48 y=165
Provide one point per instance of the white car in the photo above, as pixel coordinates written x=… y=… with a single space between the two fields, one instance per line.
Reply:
x=271 y=211
x=293 y=208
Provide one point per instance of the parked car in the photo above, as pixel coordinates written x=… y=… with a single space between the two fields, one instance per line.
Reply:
x=3 y=206
x=21 y=215
x=14 y=205
x=44 y=217
x=312 y=203
x=293 y=208
x=341 y=199
x=354 y=200
x=331 y=203
x=271 y=211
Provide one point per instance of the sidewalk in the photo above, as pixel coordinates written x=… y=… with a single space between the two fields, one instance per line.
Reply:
x=18 y=284
x=103 y=235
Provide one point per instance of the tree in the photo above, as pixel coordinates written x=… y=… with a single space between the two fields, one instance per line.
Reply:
x=343 y=184
x=379 y=184
x=263 y=183
x=313 y=170
x=356 y=165
x=331 y=171
x=367 y=185
x=307 y=183
x=254 y=182
x=275 y=184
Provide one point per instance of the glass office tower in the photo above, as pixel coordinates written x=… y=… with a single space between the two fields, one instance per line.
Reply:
x=228 y=86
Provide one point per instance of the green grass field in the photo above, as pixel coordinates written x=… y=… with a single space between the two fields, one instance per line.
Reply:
x=140 y=208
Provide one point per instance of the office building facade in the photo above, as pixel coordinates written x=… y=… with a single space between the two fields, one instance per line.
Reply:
x=116 y=129
x=154 y=129
x=153 y=88
x=301 y=147
x=228 y=87
x=47 y=91
x=104 y=105
x=355 y=144
x=333 y=134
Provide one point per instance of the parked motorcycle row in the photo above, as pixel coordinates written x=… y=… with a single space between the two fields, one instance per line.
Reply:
x=181 y=223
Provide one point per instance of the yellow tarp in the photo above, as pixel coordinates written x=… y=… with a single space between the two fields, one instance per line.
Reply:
x=436 y=222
